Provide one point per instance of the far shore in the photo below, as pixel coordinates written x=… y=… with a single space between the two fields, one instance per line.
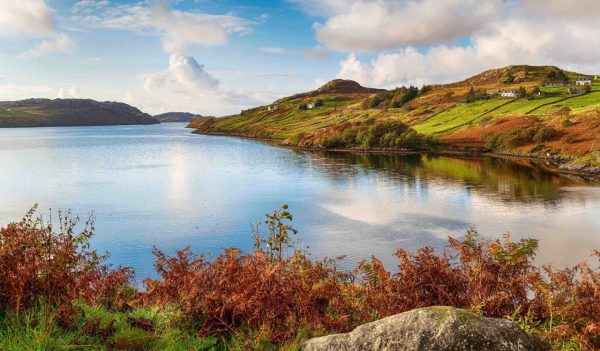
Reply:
x=549 y=164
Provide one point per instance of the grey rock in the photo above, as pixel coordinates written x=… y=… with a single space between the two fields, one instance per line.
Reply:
x=437 y=328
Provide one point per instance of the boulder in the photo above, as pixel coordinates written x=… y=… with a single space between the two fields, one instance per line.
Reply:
x=437 y=328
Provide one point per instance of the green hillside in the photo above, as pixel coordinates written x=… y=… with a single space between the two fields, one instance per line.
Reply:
x=540 y=120
x=69 y=112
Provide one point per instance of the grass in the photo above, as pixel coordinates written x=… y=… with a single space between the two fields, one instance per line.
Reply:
x=575 y=103
x=97 y=328
x=459 y=116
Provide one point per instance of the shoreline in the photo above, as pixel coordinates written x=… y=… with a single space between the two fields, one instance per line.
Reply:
x=548 y=164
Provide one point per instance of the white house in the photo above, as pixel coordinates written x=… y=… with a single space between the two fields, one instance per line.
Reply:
x=272 y=107
x=583 y=81
x=310 y=105
x=509 y=94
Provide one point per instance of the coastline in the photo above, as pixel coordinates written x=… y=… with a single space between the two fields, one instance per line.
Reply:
x=547 y=163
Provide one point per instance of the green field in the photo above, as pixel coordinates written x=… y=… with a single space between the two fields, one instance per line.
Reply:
x=575 y=103
x=459 y=116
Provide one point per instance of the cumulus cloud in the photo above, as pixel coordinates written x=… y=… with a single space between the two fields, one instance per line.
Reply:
x=183 y=72
x=186 y=85
x=177 y=29
x=33 y=18
x=552 y=32
x=71 y=92
x=59 y=43
x=25 y=17
x=379 y=25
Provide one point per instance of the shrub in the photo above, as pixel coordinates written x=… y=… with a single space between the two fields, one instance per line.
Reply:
x=566 y=123
x=568 y=139
x=543 y=134
x=39 y=262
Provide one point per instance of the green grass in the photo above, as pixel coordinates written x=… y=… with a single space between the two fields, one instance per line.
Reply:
x=38 y=329
x=575 y=103
x=459 y=116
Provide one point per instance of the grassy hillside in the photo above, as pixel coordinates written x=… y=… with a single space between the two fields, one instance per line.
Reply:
x=69 y=112
x=542 y=120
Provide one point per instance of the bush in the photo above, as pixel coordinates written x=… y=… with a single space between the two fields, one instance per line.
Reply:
x=518 y=137
x=38 y=262
x=568 y=139
x=566 y=123
x=276 y=293
x=543 y=134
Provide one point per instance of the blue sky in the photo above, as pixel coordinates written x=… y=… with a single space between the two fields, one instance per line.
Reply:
x=217 y=57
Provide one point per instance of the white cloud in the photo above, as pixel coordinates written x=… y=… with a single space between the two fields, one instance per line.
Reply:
x=184 y=72
x=177 y=29
x=187 y=86
x=71 y=92
x=33 y=18
x=380 y=25
x=25 y=17
x=552 y=32
x=60 y=43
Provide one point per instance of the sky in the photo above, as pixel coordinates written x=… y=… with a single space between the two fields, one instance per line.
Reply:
x=216 y=57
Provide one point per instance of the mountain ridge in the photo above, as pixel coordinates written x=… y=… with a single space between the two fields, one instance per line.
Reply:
x=39 y=112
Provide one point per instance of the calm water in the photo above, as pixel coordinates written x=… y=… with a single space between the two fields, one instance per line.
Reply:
x=162 y=186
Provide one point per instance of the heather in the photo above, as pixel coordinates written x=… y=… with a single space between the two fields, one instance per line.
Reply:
x=56 y=292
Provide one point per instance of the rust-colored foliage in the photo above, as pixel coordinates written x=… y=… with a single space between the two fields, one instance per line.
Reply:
x=277 y=292
x=37 y=262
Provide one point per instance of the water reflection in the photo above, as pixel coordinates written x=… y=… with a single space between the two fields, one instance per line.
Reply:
x=162 y=186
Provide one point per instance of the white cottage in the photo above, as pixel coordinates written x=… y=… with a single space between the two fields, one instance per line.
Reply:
x=272 y=107
x=583 y=81
x=509 y=94
x=310 y=105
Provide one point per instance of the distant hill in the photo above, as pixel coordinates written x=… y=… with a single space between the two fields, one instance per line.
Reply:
x=176 y=117
x=69 y=112
x=532 y=118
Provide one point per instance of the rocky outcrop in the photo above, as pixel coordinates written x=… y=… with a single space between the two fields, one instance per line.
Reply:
x=431 y=329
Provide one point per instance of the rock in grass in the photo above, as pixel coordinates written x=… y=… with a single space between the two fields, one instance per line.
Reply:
x=432 y=328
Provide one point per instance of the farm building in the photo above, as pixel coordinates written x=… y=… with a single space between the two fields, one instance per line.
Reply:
x=577 y=91
x=509 y=94
x=492 y=92
x=583 y=81
x=310 y=105
x=272 y=107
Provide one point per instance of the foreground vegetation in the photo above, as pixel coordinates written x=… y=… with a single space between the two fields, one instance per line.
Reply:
x=57 y=293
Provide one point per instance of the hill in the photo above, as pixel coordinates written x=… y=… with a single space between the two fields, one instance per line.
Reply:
x=69 y=112
x=176 y=117
x=535 y=119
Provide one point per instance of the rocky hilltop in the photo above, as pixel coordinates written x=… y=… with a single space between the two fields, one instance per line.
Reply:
x=69 y=112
